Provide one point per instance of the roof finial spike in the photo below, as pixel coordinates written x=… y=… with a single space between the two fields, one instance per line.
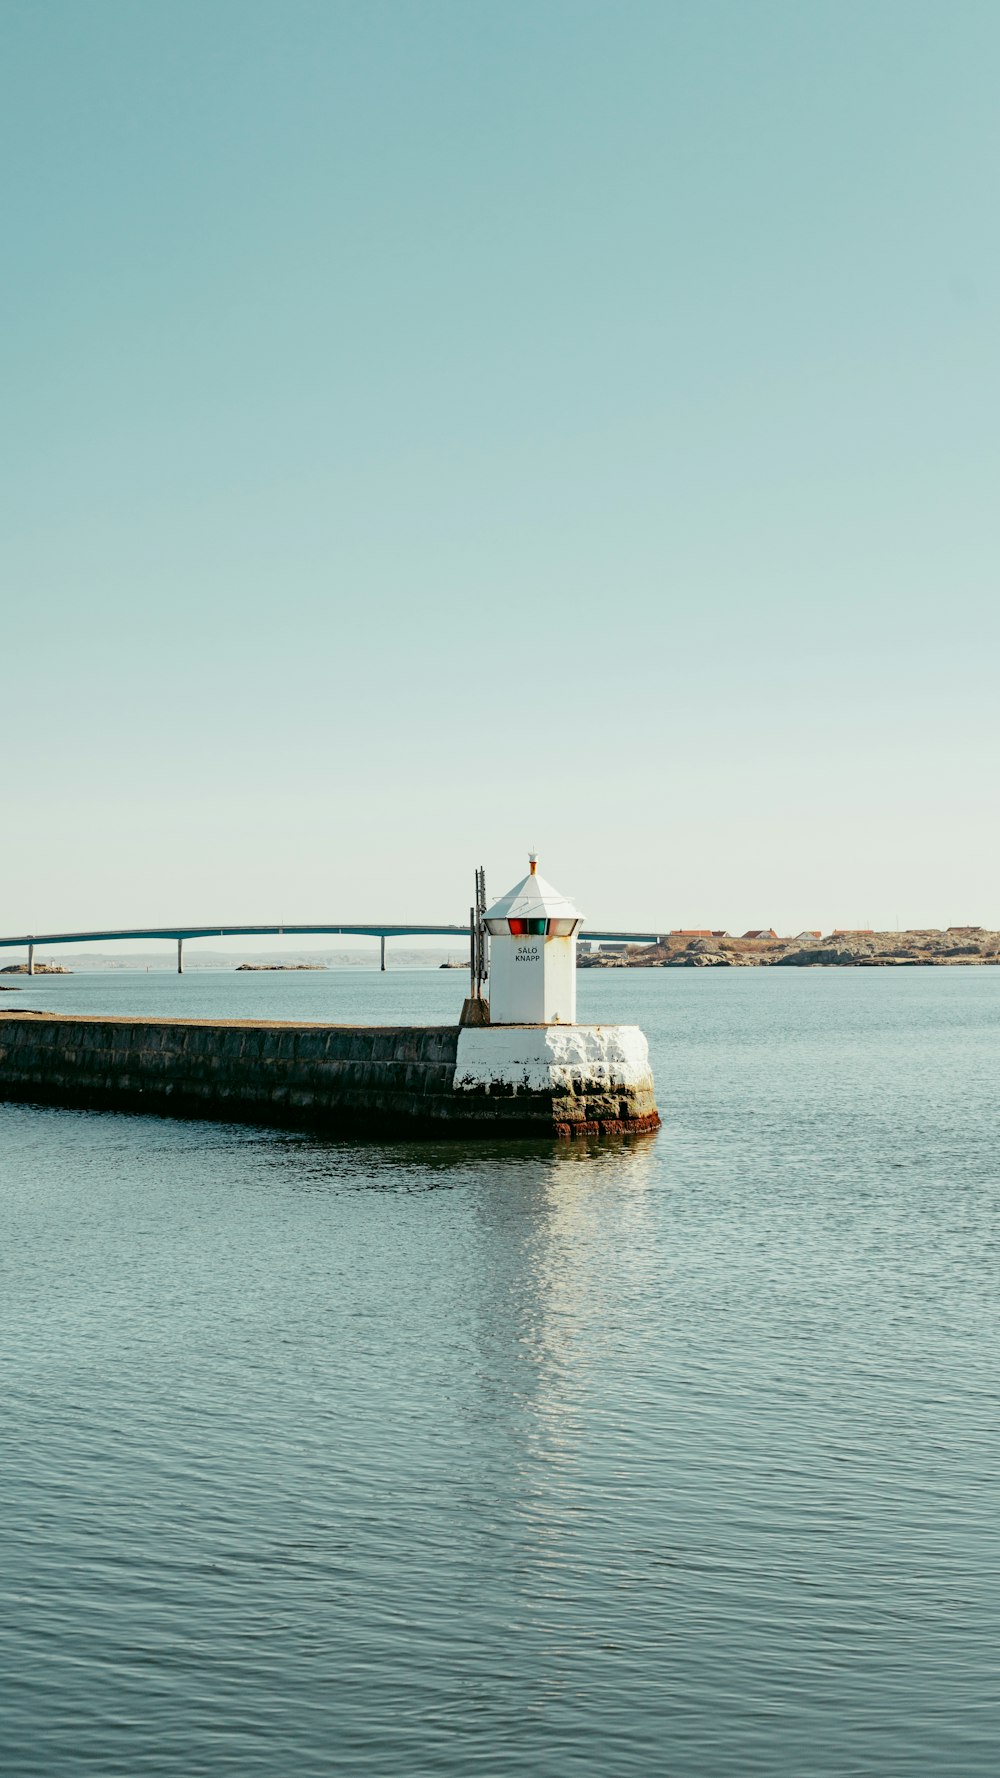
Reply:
x=532 y=862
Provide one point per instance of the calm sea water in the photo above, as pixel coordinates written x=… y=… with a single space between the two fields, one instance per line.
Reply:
x=679 y=1457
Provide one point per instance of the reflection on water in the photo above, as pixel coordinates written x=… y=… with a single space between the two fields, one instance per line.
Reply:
x=676 y=1454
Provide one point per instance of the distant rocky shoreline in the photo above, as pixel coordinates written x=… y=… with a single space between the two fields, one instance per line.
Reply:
x=270 y=968
x=858 y=950
x=40 y=969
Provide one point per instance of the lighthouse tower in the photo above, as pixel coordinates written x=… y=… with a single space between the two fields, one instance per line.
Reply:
x=533 y=933
x=532 y=1067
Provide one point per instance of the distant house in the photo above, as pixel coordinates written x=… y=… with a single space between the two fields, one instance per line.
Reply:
x=693 y=932
x=760 y=932
x=800 y=937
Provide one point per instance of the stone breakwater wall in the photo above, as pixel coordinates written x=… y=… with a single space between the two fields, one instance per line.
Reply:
x=375 y=1080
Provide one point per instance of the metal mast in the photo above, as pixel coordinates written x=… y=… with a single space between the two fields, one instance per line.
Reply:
x=478 y=953
x=476 y=1010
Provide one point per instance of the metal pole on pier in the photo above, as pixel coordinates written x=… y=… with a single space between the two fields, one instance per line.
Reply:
x=31 y=958
x=382 y=945
x=180 y=956
x=482 y=943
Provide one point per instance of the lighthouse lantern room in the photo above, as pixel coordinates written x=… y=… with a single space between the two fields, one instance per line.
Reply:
x=533 y=931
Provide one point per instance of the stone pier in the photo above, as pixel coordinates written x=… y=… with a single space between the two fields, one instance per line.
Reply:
x=370 y=1080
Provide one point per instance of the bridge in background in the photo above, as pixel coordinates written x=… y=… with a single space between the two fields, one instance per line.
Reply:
x=30 y=941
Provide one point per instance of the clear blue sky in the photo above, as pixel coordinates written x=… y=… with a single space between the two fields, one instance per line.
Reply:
x=432 y=429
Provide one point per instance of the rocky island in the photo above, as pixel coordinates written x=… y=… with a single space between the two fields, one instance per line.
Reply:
x=39 y=969
x=807 y=950
x=271 y=967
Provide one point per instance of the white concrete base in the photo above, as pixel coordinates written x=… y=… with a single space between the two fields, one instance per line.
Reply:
x=556 y=1059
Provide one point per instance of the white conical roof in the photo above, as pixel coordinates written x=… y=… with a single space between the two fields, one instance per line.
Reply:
x=533 y=899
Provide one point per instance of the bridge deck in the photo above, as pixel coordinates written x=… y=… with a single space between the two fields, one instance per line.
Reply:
x=364 y=930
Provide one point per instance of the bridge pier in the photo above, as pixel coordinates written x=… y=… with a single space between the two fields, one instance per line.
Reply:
x=31 y=959
x=382 y=948
x=180 y=956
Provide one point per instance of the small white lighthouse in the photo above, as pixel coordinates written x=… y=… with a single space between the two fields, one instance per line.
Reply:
x=533 y=932
x=527 y=1065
